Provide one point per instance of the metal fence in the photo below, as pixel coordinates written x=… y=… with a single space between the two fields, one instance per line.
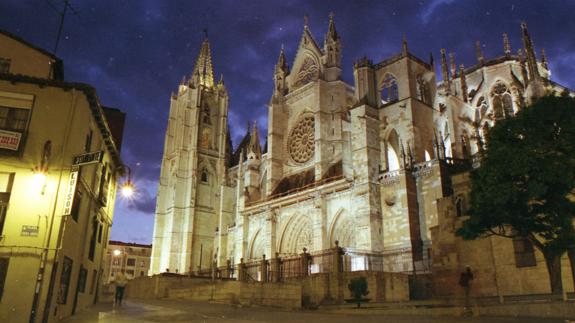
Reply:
x=324 y=261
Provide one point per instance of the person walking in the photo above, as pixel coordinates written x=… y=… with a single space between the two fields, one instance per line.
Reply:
x=121 y=281
x=465 y=281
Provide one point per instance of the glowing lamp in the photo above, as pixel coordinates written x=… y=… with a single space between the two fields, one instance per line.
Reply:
x=117 y=252
x=128 y=189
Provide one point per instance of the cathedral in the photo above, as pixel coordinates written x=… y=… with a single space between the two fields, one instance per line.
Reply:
x=370 y=164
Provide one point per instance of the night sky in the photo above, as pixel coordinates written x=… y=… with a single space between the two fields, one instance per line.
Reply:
x=135 y=52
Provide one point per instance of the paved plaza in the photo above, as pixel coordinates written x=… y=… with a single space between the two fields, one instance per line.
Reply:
x=185 y=311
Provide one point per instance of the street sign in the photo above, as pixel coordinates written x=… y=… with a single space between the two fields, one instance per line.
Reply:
x=70 y=192
x=29 y=231
x=89 y=158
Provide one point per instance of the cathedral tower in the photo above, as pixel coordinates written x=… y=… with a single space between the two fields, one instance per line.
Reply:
x=192 y=172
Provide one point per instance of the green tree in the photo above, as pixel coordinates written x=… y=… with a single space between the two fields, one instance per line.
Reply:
x=526 y=182
x=358 y=288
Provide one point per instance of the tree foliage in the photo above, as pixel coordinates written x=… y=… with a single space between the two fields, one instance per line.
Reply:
x=358 y=288
x=525 y=184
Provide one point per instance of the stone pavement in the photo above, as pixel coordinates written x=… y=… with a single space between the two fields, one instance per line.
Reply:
x=185 y=311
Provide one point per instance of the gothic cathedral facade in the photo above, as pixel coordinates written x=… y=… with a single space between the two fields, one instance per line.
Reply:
x=363 y=164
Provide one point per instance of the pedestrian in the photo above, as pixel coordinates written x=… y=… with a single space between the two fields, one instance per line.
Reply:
x=465 y=281
x=121 y=281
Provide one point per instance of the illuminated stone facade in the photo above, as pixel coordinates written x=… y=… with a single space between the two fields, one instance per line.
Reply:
x=132 y=258
x=362 y=164
x=53 y=229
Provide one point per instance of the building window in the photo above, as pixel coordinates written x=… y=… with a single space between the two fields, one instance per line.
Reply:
x=142 y=263
x=13 y=119
x=131 y=262
x=93 y=283
x=65 y=280
x=3 y=271
x=204 y=176
x=82 y=276
x=389 y=90
x=5 y=65
x=141 y=273
x=501 y=100
x=100 y=233
x=93 y=238
x=104 y=183
x=4 y=198
x=524 y=253
x=75 y=212
x=116 y=261
x=6 y=180
x=423 y=90
x=88 y=144
x=130 y=272
x=13 y=122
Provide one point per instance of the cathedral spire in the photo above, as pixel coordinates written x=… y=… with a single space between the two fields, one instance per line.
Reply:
x=332 y=50
x=529 y=53
x=221 y=85
x=404 y=50
x=445 y=72
x=280 y=74
x=544 y=59
x=254 y=146
x=203 y=72
x=453 y=67
x=506 y=46
x=282 y=65
x=331 y=32
x=523 y=67
x=479 y=52
x=463 y=80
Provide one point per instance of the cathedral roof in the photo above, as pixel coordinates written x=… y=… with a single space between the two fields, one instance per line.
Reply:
x=243 y=146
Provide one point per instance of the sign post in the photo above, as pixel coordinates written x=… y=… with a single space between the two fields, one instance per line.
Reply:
x=89 y=158
x=71 y=191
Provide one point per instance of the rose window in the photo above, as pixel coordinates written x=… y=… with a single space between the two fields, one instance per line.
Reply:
x=301 y=143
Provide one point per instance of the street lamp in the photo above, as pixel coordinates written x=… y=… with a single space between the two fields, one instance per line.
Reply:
x=117 y=252
x=40 y=171
x=39 y=177
x=128 y=188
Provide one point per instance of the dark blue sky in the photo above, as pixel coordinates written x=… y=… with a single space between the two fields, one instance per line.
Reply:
x=135 y=52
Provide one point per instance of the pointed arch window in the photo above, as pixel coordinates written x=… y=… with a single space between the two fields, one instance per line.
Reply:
x=389 y=89
x=501 y=100
x=205 y=176
x=423 y=90
x=482 y=107
x=391 y=149
x=447 y=142
x=206 y=118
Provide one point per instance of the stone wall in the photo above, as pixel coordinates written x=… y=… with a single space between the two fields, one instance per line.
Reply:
x=332 y=288
x=311 y=291
x=285 y=295
x=491 y=259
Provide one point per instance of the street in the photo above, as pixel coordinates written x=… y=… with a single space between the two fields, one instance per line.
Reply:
x=185 y=311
